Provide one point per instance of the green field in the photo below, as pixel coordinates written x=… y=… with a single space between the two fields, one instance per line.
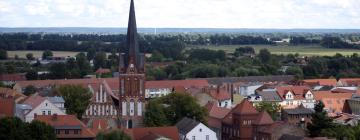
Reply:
x=37 y=54
x=304 y=50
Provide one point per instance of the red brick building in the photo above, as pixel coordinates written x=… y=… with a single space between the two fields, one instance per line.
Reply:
x=244 y=122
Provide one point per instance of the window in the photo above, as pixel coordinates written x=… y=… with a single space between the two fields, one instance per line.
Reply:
x=193 y=137
x=66 y=131
x=49 y=112
x=45 y=104
x=44 y=112
x=200 y=130
x=76 y=131
x=207 y=137
x=57 y=131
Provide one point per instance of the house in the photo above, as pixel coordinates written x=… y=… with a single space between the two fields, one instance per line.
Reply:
x=297 y=116
x=215 y=115
x=154 y=133
x=244 y=122
x=7 y=107
x=221 y=96
x=347 y=119
x=334 y=102
x=67 y=127
x=294 y=96
x=10 y=93
x=58 y=101
x=349 y=82
x=40 y=106
x=190 y=129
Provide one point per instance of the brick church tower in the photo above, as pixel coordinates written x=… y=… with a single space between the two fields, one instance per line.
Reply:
x=131 y=77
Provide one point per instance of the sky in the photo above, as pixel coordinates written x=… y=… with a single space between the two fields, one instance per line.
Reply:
x=282 y=14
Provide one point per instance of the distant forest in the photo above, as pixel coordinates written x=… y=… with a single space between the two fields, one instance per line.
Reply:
x=165 y=43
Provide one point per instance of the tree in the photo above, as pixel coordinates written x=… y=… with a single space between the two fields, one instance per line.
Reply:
x=30 y=56
x=297 y=71
x=58 y=71
x=76 y=98
x=319 y=121
x=14 y=129
x=2 y=68
x=91 y=53
x=175 y=107
x=3 y=54
x=156 y=116
x=272 y=108
x=83 y=64
x=264 y=55
x=29 y=90
x=100 y=60
x=46 y=54
x=32 y=75
x=41 y=131
x=113 y=135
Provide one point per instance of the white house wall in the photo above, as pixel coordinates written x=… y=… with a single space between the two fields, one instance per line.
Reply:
x=201 y=132
x=46 y=106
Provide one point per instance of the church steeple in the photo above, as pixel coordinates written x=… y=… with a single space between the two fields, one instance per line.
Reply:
x=132 y=38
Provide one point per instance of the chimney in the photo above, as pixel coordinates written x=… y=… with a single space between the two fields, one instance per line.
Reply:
x=54 y=117
x=218 y=89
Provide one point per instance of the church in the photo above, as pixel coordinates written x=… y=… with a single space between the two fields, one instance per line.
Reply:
x=127 y=104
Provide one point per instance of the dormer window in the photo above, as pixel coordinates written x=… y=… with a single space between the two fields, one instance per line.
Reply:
x=131 y=65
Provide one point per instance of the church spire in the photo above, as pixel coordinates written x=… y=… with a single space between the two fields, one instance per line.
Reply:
x=132 y=38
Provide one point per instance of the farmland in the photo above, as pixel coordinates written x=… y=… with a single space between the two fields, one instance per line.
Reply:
x=304 y=50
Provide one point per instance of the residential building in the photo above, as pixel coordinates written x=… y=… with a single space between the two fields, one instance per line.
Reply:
x=190 y=129
x=221 y=96
x=10 y=93
x=249 y=88
x=58 y=101
x=294 y=96
x=40 y=106
x=244 y=122
x=67 y=127
x=9 y=79
x=353 y=105
x=297 y=116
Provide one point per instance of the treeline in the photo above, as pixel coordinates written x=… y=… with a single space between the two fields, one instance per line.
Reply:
x=81 y=42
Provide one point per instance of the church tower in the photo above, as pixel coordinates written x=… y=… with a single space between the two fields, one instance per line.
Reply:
x=131 y=77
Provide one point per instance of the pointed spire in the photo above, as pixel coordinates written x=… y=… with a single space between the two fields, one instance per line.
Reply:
x=132 y=41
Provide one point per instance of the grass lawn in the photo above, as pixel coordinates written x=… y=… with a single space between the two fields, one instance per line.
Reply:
x=305 y=50
x=37 y=54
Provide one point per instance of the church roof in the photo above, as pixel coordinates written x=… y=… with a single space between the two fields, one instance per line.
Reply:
x=264 y=119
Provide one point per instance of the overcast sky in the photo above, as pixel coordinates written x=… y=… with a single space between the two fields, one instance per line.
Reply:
x=182 y=13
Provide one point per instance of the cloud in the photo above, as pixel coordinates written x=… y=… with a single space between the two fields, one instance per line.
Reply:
x=183 y=13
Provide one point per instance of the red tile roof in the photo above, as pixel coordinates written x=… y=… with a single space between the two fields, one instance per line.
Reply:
x=114 y=83
x=176 y=83
x=13 y=77
x=7 y=107
x=99 y=125
x=244 y=108
x=215 y=111
x=67 y=121
x=298 y=91
x=350 y=81
x=10 y=93
x=322 y=82
x=144 y=133
x=332 y=101
x=220 y=94
x=102 y=71
x=34 y=100
x=264 y=119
